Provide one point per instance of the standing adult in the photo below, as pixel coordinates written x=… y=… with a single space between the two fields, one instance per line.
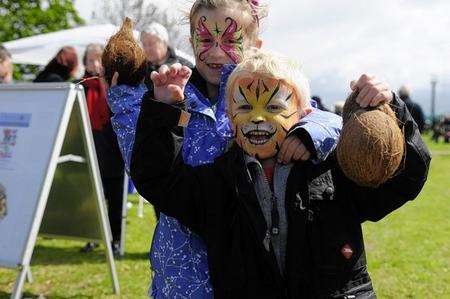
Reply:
x=61 y=68
x=413 y=107
x=108 y=153
x=6 y=66
x=155 y=42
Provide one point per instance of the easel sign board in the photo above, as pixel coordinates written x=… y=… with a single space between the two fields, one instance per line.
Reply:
x=49 y=177
x=29 y=126
x=71 y=211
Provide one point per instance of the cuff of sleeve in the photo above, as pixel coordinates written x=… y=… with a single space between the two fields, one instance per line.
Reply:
x=162 y=114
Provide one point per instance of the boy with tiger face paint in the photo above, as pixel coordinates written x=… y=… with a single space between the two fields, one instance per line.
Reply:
x=264 y=104
x=267 y=239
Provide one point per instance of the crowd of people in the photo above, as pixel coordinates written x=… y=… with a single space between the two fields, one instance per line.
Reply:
x=251 y=202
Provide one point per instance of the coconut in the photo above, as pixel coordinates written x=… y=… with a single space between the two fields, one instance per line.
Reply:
x=124 y=55
x=371 y=146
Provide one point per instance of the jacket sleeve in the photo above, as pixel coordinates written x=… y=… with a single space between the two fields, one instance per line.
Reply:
x=159 y=173
x=319 y=131
x=125 y=104
x=374 y=204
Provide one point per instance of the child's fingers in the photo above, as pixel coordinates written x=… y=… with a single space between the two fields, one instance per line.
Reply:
x=367 y=100
x=288 y=148
x=306 y=155
x=296 y=150
x=371 y=90
x=382 y=97
x=283 y=149
x=185 y=72
x=163 y=73
x=154 y=76
x=176 y=93
x=362 y=94
x=174 y=69
x=361 y=82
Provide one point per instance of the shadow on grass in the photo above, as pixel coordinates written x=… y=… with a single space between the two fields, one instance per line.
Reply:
x=44 y=255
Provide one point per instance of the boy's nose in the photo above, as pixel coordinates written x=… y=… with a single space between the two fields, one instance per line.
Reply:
x=257 y=120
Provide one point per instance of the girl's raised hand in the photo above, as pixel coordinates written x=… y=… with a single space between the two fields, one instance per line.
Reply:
x=169 y=83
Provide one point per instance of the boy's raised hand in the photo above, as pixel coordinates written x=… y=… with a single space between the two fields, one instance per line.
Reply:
x=372 y=91
x=169 y=83
x=293 y=150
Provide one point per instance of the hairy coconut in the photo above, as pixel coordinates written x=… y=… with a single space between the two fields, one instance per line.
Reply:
x=371 y=146
x=125 y=56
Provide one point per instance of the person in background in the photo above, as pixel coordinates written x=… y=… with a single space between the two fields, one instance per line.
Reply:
x=319 y=103
x=155 y=42
x=6 y=66
x=413 y=107
x=61 y=68
x=108 y=153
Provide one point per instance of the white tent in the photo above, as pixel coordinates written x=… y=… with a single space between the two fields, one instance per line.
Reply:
x=39 y=49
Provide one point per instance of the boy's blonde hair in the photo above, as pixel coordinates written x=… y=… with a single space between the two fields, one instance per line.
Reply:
x=263 y=63
x=251 y=13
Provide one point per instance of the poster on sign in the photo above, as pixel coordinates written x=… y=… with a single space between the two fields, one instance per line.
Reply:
x=45 y=138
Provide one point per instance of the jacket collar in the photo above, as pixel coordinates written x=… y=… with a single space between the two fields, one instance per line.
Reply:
x=196 y=91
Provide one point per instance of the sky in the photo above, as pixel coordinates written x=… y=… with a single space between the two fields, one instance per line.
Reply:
x=399 y=41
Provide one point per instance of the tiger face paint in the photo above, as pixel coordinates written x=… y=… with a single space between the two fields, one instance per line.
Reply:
x=262 y=110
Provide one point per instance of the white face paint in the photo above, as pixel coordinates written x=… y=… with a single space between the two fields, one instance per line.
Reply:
x=262 y=110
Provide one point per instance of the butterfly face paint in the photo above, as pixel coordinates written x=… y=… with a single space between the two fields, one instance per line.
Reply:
x=225 y=34
x=262 y=110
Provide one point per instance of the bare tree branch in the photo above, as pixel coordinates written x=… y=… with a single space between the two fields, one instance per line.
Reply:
x=142 y=12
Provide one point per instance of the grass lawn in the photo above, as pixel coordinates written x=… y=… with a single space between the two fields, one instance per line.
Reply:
x=408 y=252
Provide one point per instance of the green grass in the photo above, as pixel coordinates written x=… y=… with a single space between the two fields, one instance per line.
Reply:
x=61 y=271
x=408 y=251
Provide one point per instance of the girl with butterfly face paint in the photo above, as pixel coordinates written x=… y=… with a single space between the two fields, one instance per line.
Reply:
x=218 y=39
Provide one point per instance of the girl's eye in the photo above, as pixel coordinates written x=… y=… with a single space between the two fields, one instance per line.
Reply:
x=231 y=41
x=245 y=107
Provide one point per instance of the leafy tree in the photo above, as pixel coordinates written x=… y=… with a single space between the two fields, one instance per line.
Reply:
x=23 y=18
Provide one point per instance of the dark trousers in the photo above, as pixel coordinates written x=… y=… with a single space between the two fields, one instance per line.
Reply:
x=113 y=188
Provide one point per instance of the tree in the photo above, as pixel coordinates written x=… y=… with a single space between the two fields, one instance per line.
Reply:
x=23 y=18
x=142 y=12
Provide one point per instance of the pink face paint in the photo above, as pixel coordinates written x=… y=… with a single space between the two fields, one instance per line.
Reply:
x=204 y=39
x=232 y=40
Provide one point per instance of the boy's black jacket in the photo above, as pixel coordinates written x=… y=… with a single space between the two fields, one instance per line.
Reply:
x=325 y=252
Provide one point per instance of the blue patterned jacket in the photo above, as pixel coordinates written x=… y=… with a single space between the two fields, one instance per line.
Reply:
x=178 y=257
